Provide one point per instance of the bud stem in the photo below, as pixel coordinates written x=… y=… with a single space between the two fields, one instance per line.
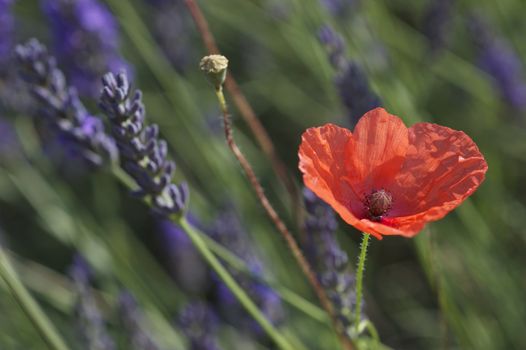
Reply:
x=245 y=109
x=278 y=223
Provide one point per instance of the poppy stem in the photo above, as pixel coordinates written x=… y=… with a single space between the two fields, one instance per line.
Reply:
x=280 y=225
x=359 y=281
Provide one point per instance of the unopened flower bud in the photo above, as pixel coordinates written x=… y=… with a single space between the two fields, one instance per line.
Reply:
x=214 y=66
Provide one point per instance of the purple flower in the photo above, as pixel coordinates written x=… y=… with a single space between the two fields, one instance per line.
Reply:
x=334 y=45
x=329 y=261
x=12 y=96
x=497 y=58
x=90 y=323
x=340 y=8
x=198 y=323
x=80 y=133
x=137 y=337
x=227 y=231
x=86 y=40
x=351 y=81
x=171 y=28
x=7 y=25
x=436 y=22
x=355 y=93
x=185 y=263
x=143 y=154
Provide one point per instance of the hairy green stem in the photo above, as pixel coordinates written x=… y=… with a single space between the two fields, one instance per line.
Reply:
x=359 y=280
x=29 y=306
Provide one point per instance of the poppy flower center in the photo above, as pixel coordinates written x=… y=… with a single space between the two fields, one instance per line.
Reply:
x=378 y=203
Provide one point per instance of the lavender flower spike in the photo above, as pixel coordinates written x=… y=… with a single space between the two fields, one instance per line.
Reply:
x=137 y=337
x=351 y=81
x=90 y=323
x=437 y=23
x=81 y=133
x=355 y=92
x=340 y=8
x=329 y=261
x=198 y=323
x=185 y=264
x=334 y=45
x=86 y=41
x=171 y=28
x=143 y=154
x=498 y=59
x=7 y=23
x=228 y=231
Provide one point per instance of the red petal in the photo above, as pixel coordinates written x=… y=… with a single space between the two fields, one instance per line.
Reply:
x=442 y=168
x=377 y=150
x=322 y=162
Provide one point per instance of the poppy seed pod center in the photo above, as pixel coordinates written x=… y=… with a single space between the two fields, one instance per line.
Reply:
x=378 y=203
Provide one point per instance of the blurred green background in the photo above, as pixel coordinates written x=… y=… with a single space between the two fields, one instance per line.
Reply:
x=458 y=285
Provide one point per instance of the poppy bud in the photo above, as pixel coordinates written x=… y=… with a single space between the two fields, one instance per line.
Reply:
x=214 y=66
x=378 y=203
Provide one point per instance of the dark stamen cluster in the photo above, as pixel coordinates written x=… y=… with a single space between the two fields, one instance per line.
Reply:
x=378 y=203
x=143 y=153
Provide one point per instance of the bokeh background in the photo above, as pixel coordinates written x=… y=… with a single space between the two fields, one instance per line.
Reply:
x=460 y=284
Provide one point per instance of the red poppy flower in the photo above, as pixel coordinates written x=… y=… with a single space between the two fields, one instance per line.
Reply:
x=387 y=179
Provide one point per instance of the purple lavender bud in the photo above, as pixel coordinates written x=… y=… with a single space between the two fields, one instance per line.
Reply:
x=171 y=26
x=137 y=337
x=334 y=45
x=86 y=41
x=81 y=134
x=356 y=93
x=199 y=324
x=436 y=22
x=351 y=81
x=340 y=8
x=143 y=153
x=185 y=263
x=90 y=324
x=227 y=231
x=13 y=96
x=7 y=24
x=497 y=58
x=329 y=261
